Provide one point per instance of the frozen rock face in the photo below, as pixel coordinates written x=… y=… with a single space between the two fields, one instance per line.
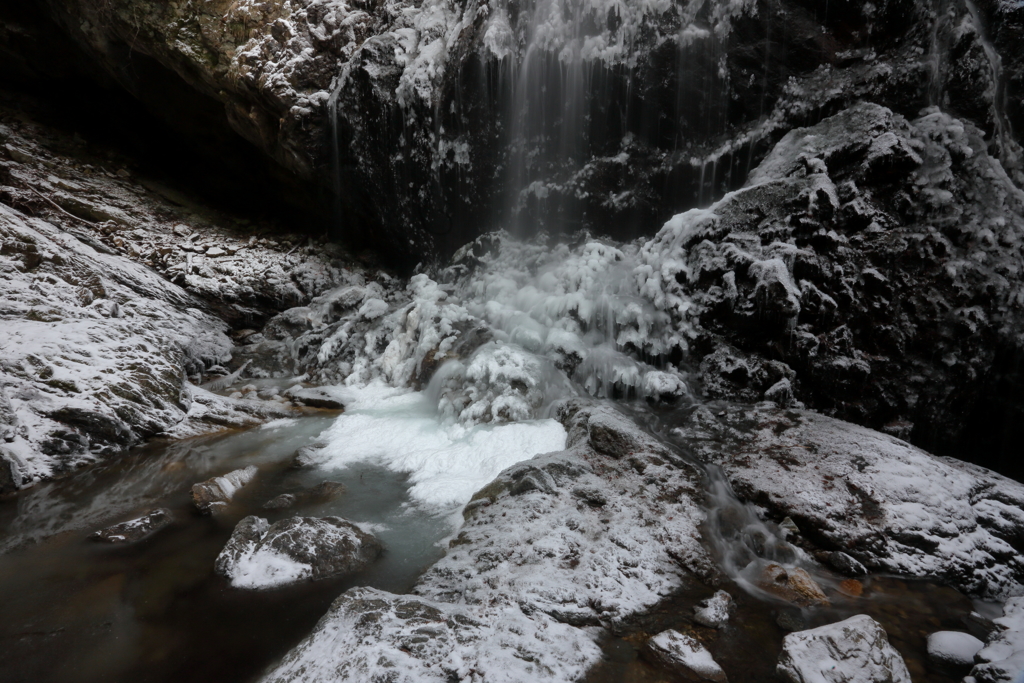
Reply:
x=259 y=555
x=1002 y=658
x=215 y=494
x=889 y=505
x=93 y=349
x=684 y=656
x=432 y=113
x=135 y=529
x=870 y=269
x=555 y=544
x=857 y=649
x=112 y=307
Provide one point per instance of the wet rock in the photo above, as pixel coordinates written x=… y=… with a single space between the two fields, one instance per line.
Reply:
x=322 y=492
x=259 y=555
x=135 y=529
x=315 y=397
x=281 y=502
x=684 y=656
x=952 y=652
x=1002 y=658
x=826 y=241
x=791 y=621
x=715 y=611
x=856 y=649
x=845 y=564
x=215 y=494
x=792 y=584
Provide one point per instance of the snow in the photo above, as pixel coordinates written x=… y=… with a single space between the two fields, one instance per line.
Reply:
x=714 y=612
x=447 y=463
x=954 y=648
x=554 y=545
x=888 y=504
x=265 y=568
x=1002 y=658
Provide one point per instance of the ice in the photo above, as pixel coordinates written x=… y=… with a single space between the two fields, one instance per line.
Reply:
x=446 y=462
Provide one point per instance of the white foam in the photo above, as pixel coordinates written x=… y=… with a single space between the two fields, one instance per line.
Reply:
x=446 y=463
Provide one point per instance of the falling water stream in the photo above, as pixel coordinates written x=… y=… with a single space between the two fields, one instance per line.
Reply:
x=79 y=611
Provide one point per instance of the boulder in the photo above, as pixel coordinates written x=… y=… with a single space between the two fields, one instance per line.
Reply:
x=952 y=652
x=213 y=495
x=135 y=529
x=684 y=656
x=261 y=555
x=715 y=611
x=856 y=649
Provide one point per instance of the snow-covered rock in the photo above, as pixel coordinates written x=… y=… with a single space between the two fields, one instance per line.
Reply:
x=715 y=611
x=953 y=651
x=1002 y=658
x=684 y=656
x=213 y=495
x=262 y=555
x=886 y=503
x=870 y=262
x=555 y=544
x=856 y=649
x=135 y=529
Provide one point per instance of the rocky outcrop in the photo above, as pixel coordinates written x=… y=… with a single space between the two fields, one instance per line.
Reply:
x=116 y=303
x=431 y=129
x=262 y=555
x=870 y=269
x=540 y=557
x=135 y=529
x=857 y=649
x=852 y=490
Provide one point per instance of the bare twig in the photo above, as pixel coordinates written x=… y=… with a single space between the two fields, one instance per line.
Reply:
x=57 y=206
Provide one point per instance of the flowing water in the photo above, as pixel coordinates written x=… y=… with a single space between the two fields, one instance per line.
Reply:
x=76 y=610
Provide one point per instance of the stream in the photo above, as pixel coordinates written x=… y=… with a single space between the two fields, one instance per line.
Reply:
x=80 y=611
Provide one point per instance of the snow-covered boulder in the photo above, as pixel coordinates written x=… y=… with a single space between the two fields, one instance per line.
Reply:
x=262 y=555
x=856 y=649
x=953 y=651
x=715 y=611
x=135 y=529
x=684 y=656
x=213 y=495
x=889 y=505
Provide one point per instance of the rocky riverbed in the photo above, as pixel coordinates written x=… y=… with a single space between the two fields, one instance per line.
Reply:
x=696 y=357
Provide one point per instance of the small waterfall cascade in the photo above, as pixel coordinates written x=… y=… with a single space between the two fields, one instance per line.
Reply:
x=579 y=93
x=1010 y=153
